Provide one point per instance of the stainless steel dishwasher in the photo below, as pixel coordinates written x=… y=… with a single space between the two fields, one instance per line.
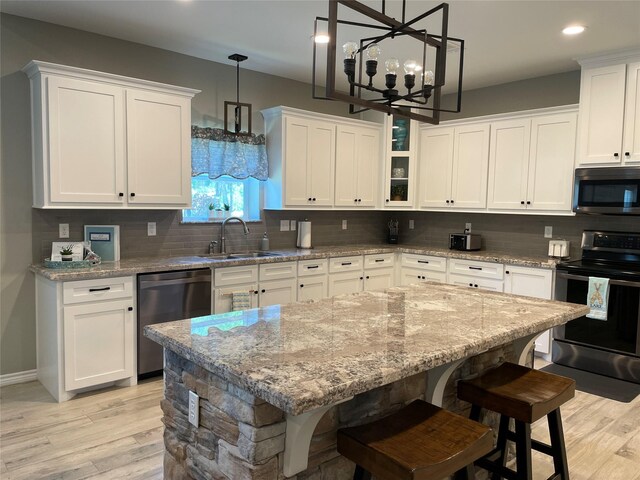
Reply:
x=165 y=297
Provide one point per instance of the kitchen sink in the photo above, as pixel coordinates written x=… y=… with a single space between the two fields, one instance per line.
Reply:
x=253 y=255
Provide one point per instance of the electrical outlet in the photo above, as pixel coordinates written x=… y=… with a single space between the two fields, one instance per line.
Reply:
x=548 y=231
x=151 y=229
x=292 y=225
x=344 y=224
x=467 y=227
x=63 y=230
x=194 y=409
x=284 y=225
x=411 y=225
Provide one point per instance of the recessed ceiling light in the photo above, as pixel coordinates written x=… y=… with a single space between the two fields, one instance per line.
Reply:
x=321 y=38
x=573 y=30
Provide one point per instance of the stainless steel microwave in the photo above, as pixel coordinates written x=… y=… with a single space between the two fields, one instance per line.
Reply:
x=610 y=190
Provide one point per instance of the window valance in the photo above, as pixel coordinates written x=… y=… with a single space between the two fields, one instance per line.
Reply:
x=215 y=152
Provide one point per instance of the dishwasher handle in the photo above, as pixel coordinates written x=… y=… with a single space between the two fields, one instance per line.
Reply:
x=176 y=281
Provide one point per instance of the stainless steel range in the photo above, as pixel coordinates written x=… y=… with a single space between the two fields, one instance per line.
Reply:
x=609 y=347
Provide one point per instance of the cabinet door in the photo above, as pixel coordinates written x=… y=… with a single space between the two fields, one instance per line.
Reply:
x=277 y=292
x=322 y=163
x=470 y=159
x=86 y=141
x=223 y=297
x=509 y=164
x=344 y=283
x=632 y=115
x=368 y=159
x=98 y=343
x=601 y=115
x=378 y=279
x=312 y=288
x=297 y=181
x=476 y=282
x=158 y=149
x=346 y=166
x=550 y=179
x=436 y=163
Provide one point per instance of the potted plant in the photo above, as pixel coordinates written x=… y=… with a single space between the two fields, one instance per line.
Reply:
x=66 y=253
x=214 y=212
x=227 y=209
x=399 y=192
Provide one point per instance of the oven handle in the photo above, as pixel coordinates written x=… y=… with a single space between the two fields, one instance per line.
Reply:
x=624 y=283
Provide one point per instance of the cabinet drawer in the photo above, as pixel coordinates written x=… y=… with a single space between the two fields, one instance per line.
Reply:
x=424 y=262
x=234 y=275
x=379 y=261
x=345 y=264
x=313 y=267
x=476 y=269
x=95 y=290
x=274 y=271
x=474 y=282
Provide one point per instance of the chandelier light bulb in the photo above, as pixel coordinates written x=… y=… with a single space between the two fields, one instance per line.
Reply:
x=410 y=67
x=428 y=77
x=373 y=52
x=392 y=65
x=350 y=49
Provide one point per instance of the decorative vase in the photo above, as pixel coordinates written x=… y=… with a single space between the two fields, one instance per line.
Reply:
x=67 y=258
x=399 y=134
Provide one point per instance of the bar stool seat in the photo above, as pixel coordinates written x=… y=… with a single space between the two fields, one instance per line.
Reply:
x=418 y=442
x=526 y=395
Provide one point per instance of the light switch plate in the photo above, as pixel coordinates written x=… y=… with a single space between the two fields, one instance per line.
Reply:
x=151 y=229
x=411 y=225
x=467 y=227
x=284 y=225
x=548 y=231
x=344 y=224
x=194 y=408
x=63 y=230
x=292 y=225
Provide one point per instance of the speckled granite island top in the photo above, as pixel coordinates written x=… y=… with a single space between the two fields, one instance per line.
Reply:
x=134 y=266
x=306 y=355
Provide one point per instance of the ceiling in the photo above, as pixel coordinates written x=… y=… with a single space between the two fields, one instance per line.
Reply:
x=505 y=40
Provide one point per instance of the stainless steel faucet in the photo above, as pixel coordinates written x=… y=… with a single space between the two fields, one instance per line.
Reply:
x=224 y=224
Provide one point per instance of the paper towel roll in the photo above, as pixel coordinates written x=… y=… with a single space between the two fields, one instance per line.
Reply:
x=304 y=235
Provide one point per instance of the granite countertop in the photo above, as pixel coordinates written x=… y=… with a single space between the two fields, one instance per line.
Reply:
x=160 y=264
x=305 y=355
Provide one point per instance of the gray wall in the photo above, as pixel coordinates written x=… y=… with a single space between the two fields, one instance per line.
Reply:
x=26 y=233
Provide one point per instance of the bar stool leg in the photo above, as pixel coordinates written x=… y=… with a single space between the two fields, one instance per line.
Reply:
x=467 y=473
x=523 y=450
x=475 y=413
x=501 y=444
x=560 y=463
x=361 y=474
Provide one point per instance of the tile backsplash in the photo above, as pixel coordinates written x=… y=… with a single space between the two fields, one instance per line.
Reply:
x=518 y=234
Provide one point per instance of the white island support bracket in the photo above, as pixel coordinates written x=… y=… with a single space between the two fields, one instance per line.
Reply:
x=297 y=440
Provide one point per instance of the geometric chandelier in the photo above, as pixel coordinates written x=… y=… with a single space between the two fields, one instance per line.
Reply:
x=417 y=94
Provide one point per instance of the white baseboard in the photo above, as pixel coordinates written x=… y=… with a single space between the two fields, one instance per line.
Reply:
x=18 y=377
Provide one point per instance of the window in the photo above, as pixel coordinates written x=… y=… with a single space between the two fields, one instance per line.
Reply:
x=242 y=197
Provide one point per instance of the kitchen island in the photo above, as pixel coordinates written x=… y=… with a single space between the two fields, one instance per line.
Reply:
x=276 y=383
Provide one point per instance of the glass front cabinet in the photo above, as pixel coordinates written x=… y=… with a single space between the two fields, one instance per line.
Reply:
x=400 y=162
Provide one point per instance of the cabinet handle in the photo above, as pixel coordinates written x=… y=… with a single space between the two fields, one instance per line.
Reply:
x=423 y=261
x=99 y=289
x=475 y=268
x=312 y=266
x=121 y=194
x=616 y=155
x=344 y=264
x=132 y=194
x=130 y=309
x=377 y=260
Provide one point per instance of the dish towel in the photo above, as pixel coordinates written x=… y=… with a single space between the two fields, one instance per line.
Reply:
x=240 y=301
x=598 y=298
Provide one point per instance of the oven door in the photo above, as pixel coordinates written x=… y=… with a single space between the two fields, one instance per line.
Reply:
x=610 y=347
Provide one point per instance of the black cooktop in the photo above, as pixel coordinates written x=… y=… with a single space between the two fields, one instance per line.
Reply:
x=594 y=268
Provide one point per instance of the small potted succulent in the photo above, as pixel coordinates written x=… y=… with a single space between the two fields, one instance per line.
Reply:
x=66 y=253
x=214 y=213
x=227 y=209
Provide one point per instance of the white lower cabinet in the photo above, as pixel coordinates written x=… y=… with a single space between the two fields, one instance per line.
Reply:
x=410 y=276
x=416 y=268
x=476 y=282
x=475 y=274
x=313 y=281
x=86 y=334
x=531 y=282
x=277 y=292
x=344 y=283
x=230 y=280
x=378 y=279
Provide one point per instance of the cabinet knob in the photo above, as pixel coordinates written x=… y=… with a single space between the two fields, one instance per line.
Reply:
x=528 y=202
x=130 y=309
x=476 y=285
x=471 y=284
x=360 y=278
x=452 y=202
x=121 y=194
x=367 y=277
x=263 y=290
x=424 y=278
x=447 y=201
x=255 y=291
x=522 y=202
x=616 y=155
x=132 y=194
x=387 y=200
x=507 y=272
x=627 y=154
x=301 y=285
x=355 y=200
x=309 y=198
x=418 y=276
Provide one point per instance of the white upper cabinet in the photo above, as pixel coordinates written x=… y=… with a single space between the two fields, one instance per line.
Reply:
x=357 y=166
x=609 y=131
x=453 y=166
x=105 y=141
x=531 y=163
x=401 y=149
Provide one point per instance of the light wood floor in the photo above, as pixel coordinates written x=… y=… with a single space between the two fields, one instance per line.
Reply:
x=117 y=434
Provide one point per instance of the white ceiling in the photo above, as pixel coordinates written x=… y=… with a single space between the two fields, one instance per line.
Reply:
x=505 y=40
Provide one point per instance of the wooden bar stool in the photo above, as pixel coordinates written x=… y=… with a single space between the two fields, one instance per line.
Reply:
x=525 y=395
x=418 y=442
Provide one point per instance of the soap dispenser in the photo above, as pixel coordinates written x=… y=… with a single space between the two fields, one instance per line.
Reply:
x=264 y=244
